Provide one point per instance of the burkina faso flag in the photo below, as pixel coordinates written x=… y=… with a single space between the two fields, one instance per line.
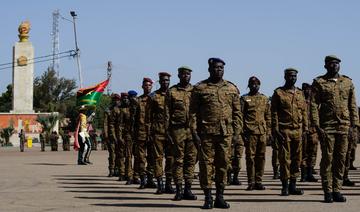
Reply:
x=90 y=96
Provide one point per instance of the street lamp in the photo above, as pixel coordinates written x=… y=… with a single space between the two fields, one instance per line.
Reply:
x=77 y=50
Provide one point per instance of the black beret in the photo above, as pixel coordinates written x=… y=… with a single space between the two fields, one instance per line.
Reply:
x=332 y=57
x=288 y=70
x=215 y=60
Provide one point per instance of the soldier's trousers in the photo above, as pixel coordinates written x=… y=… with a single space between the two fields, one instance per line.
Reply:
x=332 y=165
x=185 y=154
x=128 y=156
x=42 y=143
x=120 y=156
x=309 y=150
x=290 y=153
x=236 y=155
x=162 y=145
x=275 y=154
x=350 y=147
x=214 y=153
x=111 y=149
x=140 y=152
x=255 y=157
x=136 y=161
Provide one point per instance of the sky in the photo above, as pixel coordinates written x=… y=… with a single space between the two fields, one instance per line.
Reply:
x=142 y=38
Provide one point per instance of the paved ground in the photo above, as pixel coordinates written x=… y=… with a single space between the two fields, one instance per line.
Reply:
x=50 y=181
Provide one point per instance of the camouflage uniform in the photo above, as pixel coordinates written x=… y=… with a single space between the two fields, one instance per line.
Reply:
x=143 y=147
x=114 y=139
x=125 y=121
x=54 y=141
x=185 y=152
x=110 y=143
x=256 y=128
x=288 y=116
x=133 y=107
x=42 y=141
x=216 y=116
x=66 y=141
x=275 y=157
x=161 y=143
x=333 y=109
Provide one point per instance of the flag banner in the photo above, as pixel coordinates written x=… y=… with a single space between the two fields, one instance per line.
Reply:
x=90 y=96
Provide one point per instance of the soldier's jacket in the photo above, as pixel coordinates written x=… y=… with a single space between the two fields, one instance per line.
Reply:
x=133 y=106
x=159 y=113
x=312 y=129
x=215 y=108
x=179 y=105
x=142 y=117
x=256 y=114
x=114 y=126
x=106 y=123
x=125 y=121
x=333 y=105
x=288 y=109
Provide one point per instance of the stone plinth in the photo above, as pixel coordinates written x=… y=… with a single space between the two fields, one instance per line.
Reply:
x=23 y=77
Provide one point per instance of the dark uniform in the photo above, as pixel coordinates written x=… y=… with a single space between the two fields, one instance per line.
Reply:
x=54 y=141
x=66 y=141
x=334 y=111
x=22 y=140
x=42 y=141
x=114 y=139
x=215 y=116
x=110 y=142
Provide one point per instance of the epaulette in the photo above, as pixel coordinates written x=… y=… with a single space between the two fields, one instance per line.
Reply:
x=346 y=77
x=233 y=85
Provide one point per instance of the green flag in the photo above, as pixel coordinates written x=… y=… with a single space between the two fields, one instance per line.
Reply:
x=91 y=96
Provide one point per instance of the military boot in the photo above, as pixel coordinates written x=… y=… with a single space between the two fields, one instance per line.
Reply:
x=160 y=186
x=121 y=178
x=303 y=174
x=276 y=173
x=208 y=203
x=338 y=197
x=150 y=182
x=352 y=167
x=142 y=182
x=310 y=176
x=348 y=182
x=293 y=190
x=179 y=192
x=285 y=188
x=235 y=179
x=168 y=187
x=328 y=198
x=229 y=177
x=129 y=181
x=136 y=181
x=111 y=173
x=188 y=195
x=116 y=172
x=219 y=200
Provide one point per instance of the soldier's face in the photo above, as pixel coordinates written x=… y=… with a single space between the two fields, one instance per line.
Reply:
x=125 y=100
x=147 y=86
x=291 y=78
x=184 y=76
x=217 y=70
x=333 y=66
x=254 y=86
x=164 y=82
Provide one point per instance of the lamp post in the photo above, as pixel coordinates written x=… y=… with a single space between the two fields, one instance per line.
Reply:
x=74 y=15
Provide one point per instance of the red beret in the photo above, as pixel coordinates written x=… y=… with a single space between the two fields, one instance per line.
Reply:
x=115 y=96
x=146 y=79
x=161 y=74
x=124 y=94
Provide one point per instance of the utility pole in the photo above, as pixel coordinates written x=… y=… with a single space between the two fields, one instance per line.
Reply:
x=55 y=64
x=109 y=69
x=77 y=50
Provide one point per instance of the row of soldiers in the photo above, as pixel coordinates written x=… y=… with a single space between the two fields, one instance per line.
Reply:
x=210 y=123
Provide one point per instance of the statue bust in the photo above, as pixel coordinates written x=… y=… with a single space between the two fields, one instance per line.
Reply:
x=24 y=29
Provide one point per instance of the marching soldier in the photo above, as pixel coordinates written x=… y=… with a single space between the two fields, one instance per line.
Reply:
x=133 y=106
x=256 y=129
x=289 y=121
x=42 y=141
x=143 y=147
x=66 y=140
x=185 y=152
x=215 y=119
x=54 y=141
x=160 y=135
x=334 y=112
x=22 y=140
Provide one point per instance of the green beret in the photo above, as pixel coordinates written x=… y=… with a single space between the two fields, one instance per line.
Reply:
x=332 y=57
x=288 y=70
x=183 y=68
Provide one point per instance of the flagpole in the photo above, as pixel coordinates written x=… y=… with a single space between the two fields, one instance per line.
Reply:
x=73 y=14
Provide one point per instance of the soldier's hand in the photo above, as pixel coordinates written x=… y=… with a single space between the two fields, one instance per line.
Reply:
x=355 y=134
x=279 y=136
x=321 y=133
x=197 y=140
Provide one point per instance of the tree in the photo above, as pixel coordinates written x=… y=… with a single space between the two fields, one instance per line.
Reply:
x=52 y=93
x=6 y=99
x=48 y=123
x=6 y=133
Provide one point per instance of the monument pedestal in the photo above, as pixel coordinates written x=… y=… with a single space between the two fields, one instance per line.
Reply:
x=23 y=77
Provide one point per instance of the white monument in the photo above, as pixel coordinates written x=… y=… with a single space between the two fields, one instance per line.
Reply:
x=23 y=72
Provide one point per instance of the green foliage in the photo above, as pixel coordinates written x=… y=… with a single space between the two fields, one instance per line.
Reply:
x=52 y=93
x=100 y=109
x=6 y=133
x=48 y=123
x=6 y=99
